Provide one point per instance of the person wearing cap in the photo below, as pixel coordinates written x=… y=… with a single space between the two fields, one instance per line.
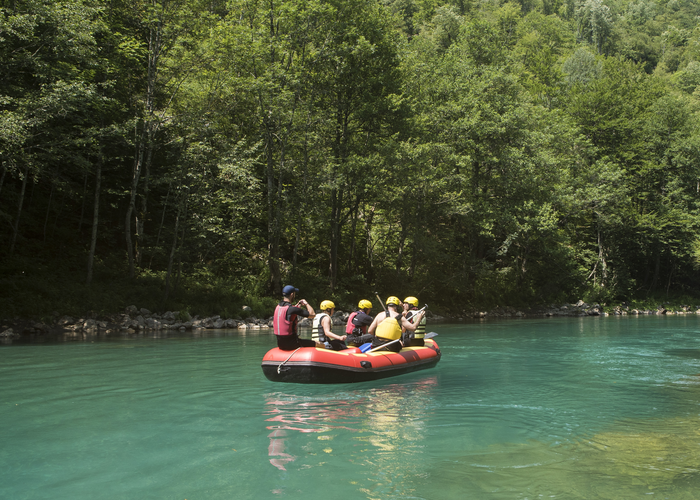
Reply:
x=389 y=326
x=358 y=321
x=417 y=337
x=323 y=326
x=285 y=319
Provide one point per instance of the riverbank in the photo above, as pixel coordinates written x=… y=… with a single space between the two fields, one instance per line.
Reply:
x=582 y=308
x=135 y=320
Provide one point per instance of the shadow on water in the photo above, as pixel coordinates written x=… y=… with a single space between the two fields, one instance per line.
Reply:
x=684 y=353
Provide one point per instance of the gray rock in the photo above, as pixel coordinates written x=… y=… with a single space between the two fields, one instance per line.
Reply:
x=152 y=323
x=65 y=320
x=9 y=334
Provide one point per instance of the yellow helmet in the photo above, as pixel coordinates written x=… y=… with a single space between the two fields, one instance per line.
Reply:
x=411 y=300
x=393 y=301
x=364 y=304
x=327 y=304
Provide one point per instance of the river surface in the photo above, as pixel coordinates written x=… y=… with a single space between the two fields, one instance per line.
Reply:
x=585 y=408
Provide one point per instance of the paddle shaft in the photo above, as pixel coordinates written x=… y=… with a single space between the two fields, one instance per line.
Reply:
x=428 y=335
x=380 y=300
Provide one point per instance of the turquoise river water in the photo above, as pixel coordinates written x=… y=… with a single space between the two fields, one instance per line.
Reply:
x=585 y=408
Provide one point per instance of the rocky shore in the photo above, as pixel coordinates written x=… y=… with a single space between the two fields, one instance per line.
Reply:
x=135 y=320
x=580 y=308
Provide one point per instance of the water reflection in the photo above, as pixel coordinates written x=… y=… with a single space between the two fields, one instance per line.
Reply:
x=377 y=432
x=304 y=414
x=307 y=414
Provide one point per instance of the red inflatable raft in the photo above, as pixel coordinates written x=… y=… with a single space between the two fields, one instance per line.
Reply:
x=311 y=365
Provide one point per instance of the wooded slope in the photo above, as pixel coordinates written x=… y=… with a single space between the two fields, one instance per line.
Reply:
x=464 y=152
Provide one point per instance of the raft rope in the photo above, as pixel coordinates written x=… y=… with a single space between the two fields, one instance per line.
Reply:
x=279 y=367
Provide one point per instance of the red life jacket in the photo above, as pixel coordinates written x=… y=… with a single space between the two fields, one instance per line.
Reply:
x=280 y=324
x=350 y=327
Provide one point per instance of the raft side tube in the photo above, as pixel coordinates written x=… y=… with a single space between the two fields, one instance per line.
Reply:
x=322 y=366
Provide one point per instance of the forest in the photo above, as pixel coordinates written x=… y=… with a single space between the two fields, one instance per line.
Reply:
x=189 y=154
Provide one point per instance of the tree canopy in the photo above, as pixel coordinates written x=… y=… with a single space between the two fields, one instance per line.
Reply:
x=466 y=152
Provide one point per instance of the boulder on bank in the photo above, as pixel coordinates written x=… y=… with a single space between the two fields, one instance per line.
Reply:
x=131 y=320
x=9 y=334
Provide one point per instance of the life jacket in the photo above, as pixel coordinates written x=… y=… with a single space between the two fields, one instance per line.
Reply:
x=420 y=329
x=280 y=324
x=317 y=332
x=351 y=329
x=389 y=328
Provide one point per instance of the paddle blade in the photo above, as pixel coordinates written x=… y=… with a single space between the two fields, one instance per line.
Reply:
x=430 y=335
x=366 y=347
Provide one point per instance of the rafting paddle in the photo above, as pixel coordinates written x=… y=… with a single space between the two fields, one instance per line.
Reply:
x=380 y=300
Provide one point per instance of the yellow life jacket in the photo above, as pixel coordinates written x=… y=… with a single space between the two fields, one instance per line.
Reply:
x=420 y=329
x=389 y=328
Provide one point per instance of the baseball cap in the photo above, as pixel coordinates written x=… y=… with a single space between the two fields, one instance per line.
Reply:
x=289 y=289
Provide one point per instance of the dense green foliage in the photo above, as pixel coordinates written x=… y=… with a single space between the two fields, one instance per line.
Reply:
x=467 y=152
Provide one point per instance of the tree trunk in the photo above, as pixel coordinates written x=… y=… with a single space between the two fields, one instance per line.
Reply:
x=136 y=173
x=162 y=223
x=155 y=45
x=273 y=202
x=2 y=177
x=336 y=207
x=402 y=241
x=95 y=217
x=173 y=247
x=657 y=269
x=48 y=210
x=15 y=231
x=303 y=197
x=58 y=213
x=352 y=267
x=82 y=204
x=179 y=250
x=141 y=215
x=369 y=219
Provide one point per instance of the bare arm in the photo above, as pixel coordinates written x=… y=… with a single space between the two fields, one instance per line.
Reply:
x=326 y=323
x=411 y=327
x=378 y=319
x=312 y=313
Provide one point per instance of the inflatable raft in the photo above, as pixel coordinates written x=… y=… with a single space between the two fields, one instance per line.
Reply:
x=311 y=365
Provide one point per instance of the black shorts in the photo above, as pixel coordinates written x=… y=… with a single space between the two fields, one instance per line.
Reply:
x=358 y=340
x=291 y=342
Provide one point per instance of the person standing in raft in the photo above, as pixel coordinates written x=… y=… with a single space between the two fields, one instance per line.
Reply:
x=358 y=321
x=322 y=328
x=284 y=321
x=388 y=326
x=416 y=338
